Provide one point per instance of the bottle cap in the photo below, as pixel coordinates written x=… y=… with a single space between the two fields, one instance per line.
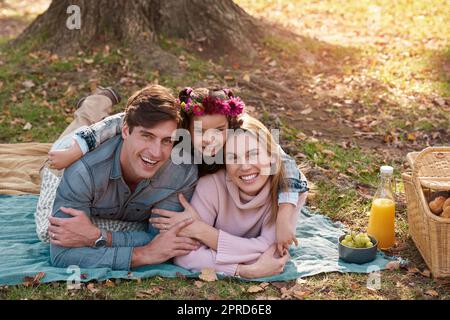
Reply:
x=386 y=169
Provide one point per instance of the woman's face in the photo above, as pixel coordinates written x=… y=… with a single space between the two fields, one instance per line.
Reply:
x=209 y=133
x=247 y=162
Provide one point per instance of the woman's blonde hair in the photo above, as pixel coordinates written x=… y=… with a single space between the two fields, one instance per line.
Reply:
x=263 y=135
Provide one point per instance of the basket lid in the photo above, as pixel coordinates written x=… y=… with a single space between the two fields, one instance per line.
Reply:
x=431 y=167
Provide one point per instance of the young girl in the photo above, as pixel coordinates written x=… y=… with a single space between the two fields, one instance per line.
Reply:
x=208 y=114
x=235 y=209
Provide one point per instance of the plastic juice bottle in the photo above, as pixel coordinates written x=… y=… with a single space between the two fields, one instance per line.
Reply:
x=382 y=212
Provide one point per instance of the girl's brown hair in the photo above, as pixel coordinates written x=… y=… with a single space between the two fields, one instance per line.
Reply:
x=197 y=95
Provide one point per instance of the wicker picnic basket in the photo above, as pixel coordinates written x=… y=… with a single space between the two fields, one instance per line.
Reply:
x=431 y=233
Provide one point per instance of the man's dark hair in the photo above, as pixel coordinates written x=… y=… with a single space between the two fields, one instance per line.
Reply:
x=151 y=105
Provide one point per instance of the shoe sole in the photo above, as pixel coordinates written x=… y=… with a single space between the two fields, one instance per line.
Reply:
x=113 y=92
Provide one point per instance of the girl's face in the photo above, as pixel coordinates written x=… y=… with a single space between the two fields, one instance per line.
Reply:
x=208 y=133
x=247 y=162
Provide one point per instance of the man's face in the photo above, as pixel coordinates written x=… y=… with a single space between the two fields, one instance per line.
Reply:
x=145 y=150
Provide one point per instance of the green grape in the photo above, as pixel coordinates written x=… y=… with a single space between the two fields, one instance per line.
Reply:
x=369 y=244
x=348 y=237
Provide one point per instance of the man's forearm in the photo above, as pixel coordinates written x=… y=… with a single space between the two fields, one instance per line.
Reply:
x=129 y=238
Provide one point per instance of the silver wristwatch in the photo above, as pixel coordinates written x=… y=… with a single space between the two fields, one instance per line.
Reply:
x=102 y=240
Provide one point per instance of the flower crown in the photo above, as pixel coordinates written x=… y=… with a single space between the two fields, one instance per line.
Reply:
x=233 y=106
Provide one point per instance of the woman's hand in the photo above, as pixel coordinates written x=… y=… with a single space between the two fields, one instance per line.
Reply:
x=268 y=264
x=170 y=218
x=285 y=235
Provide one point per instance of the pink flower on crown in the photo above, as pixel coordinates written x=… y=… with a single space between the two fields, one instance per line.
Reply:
x=198 y=110
x=236 y=106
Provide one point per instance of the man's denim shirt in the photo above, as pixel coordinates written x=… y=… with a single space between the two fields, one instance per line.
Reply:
x=95 y=185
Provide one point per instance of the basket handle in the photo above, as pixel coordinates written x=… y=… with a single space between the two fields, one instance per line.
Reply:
x=419 y=161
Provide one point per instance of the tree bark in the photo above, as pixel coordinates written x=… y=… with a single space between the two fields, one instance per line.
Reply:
x=217 y=25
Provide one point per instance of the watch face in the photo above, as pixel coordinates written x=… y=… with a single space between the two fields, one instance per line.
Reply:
x=100 y=243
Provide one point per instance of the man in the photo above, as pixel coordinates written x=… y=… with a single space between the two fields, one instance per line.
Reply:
x=124 y=179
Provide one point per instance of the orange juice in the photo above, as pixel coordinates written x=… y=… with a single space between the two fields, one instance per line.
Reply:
x=382 y=222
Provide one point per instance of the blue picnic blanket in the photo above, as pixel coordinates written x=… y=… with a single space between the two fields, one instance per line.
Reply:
x=22 y=255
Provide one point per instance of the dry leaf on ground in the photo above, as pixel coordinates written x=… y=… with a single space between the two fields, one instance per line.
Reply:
x=208 y=275
x=91 y=287
x=255 y=289
x=393 y=265
x=432 y=293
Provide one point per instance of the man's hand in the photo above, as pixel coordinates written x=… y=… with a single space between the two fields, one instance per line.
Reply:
x=74 y=232
x=165 y=246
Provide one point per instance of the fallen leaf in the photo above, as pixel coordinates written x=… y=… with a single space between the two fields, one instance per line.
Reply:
x=148 y=293
x=355 y=286
x=280 y=284
x=306 y=111
x=88 y=61
x=255 y=289
x=246 y=77
x=54 y=57
x=71 y=90
x=432 y=293
x=91 y=287
x=393 y=265
x=28 y=84
x=411 y=137
x=228 y=78
x=299 y=294
x=264 y=285
x=27 y=126
x=301 y=136
x=208 y=275
x=426 y=273
x=329 y=153
x=198 y=284
x=440 y=101
x=413 y=270
x=33 y=281
x=109 y=283
x=285 y=293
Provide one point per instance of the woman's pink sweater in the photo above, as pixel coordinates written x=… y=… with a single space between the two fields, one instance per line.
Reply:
x=244 y=233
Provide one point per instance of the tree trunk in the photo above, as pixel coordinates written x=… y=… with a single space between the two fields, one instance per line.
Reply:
x=217 y=25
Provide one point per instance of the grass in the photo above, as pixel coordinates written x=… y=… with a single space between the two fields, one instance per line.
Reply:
x=404 y=57
x=154 y=288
